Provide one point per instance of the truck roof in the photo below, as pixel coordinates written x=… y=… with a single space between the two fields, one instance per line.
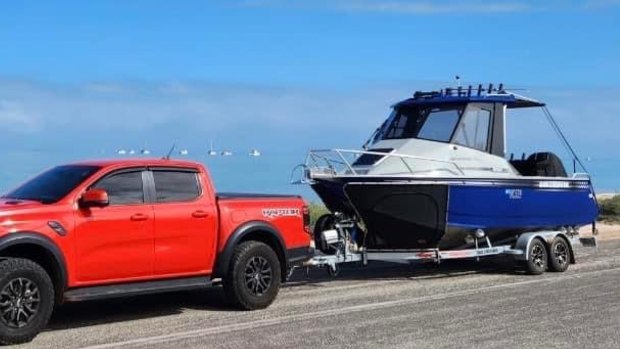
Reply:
x=139 y=162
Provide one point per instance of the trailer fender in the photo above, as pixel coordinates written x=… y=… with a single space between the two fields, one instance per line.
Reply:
x=525 y=240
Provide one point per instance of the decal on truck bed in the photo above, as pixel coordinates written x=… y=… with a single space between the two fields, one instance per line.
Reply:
x=281 y=212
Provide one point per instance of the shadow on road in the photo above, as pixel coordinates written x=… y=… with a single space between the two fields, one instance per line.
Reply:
x=393 y=271
x=75 y=315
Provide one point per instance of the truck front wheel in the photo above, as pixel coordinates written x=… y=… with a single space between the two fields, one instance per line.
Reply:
x=26 y=300
x=254 y=276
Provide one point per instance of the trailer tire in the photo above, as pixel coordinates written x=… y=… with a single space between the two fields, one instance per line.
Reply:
x=559 y=255
x=253 y=278
x=27 y=299
x=536 y=258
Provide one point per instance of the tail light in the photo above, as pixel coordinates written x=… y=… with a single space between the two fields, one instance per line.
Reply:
x=306 y=214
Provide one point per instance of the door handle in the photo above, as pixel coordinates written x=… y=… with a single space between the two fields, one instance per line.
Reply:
x=200 y=214
x=139 y=217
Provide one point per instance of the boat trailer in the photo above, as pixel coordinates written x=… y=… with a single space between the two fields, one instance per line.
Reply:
x=521 y=251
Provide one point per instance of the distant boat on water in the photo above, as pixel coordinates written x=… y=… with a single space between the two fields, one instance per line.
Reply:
x=255 y=152
x=212 y=152
x=183 y=152
x=121 y=152
x=227 y=153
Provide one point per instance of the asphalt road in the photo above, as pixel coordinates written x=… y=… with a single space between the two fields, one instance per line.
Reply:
x=460 y=304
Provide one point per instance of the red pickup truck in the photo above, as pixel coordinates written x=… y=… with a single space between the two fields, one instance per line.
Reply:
x=101 y=229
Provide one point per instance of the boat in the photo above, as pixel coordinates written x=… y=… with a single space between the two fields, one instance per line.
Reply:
x=212 y=152
x=435 y=176
x=255 y=153
x=227 y=153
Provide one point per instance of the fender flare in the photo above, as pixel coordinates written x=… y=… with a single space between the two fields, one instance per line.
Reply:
x=34 y=238
x=267 y=230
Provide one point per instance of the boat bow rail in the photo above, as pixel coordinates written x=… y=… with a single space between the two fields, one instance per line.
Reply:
x=325 y=163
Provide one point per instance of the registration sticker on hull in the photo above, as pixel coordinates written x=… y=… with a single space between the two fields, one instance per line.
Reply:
x=514 y=194
x=281 y=212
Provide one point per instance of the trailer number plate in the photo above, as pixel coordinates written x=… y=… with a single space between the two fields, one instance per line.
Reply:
x=488 y=251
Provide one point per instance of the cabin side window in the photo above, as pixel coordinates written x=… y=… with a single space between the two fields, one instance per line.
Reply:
x=439 y=124
x=473 y=131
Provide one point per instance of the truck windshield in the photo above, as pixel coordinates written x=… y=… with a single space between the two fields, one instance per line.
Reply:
x=431 y=123
x=52 y=185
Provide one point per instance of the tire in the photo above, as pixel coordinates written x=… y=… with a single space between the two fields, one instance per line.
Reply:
x=244 y=285
x=559 y=255
x=21 y=280
x=324 y=222
x=537 y=258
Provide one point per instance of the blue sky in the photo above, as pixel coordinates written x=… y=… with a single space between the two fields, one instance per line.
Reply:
x=80 y=78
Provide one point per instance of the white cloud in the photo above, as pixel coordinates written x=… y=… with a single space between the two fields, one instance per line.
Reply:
x=279 y=116
x=430 y=7
x=396 y=6
x=14 y=117
x=422 y=7
x=166 y=111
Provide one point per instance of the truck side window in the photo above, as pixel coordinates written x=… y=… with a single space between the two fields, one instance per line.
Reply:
x=123 y=188
x=176 y=186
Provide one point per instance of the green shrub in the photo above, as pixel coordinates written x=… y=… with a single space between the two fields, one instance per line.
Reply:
x=316 y=211
x=610 y=209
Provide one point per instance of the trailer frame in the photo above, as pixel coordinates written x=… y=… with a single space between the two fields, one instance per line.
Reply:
x=483 y=248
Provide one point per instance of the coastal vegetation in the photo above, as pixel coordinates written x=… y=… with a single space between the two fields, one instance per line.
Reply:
x=316 y=211
x=610 y=209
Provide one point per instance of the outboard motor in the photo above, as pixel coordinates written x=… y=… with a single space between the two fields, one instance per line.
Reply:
x=331 y=238
x=547 y=165
x=544 y=164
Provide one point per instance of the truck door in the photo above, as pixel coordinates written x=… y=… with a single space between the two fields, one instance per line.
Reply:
x=185 y=222
x=115 y=242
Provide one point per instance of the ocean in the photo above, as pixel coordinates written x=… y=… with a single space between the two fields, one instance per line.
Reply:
x=269 y=173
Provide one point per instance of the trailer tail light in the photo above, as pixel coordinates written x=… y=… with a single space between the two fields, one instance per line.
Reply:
x=306 y=213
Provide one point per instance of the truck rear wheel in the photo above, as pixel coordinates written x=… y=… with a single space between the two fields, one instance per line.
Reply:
x=254 y=276
x=26 y=300
x=537 y=258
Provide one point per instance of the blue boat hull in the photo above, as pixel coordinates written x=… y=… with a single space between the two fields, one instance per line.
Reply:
x=410 y=214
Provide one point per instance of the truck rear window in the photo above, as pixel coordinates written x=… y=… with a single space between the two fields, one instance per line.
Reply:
x=176 y=186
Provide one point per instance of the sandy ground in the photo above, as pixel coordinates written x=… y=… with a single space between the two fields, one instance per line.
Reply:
x=605 y=231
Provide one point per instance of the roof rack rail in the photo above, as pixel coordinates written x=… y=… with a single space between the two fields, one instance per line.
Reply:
x=460 y=91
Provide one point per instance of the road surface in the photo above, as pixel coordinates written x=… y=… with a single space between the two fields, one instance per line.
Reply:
x=460 y=304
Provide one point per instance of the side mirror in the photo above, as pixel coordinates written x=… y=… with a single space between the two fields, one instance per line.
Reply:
x=94 y=198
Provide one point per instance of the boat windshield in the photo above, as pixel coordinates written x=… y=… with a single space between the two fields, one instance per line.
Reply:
x=430 y=123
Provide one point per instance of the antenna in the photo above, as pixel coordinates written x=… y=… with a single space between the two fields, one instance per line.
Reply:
x=167 y=157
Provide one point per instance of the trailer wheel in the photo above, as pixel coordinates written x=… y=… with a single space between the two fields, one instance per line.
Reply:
x=253 y=278
x=559 y=255
x=537 y=258
x=26 y=300
x=332 y=272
